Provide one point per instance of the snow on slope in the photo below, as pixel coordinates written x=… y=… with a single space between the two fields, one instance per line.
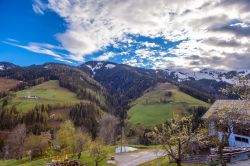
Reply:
x=110 y=66
x=99 y=66
x=1 y=67
x=229 y=77
x=94 y=68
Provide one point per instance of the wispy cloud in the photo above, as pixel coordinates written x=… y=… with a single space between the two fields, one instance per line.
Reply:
x=41 y=48
x=39 y=7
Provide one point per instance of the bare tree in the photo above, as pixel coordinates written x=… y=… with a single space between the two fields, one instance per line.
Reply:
x=177 y=138
x=36 y=145
x=108 y=129
x=241 y=88
x=14 y=144
x=81 y=142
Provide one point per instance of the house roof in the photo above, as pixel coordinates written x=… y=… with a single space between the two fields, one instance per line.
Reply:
x=228 y=105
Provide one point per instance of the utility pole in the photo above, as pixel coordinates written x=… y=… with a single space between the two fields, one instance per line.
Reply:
x=121 y=137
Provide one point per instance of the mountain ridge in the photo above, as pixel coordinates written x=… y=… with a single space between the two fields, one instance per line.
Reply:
x=178 y=75
x=126 y=83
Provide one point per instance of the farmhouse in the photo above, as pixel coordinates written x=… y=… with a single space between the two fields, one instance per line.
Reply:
x=236 y=113
x=32 y=97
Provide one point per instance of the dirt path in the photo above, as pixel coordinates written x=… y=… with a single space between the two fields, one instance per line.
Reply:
x=138 y=157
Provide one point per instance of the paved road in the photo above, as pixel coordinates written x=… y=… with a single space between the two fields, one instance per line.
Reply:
x=138 y=157
x=240 y=163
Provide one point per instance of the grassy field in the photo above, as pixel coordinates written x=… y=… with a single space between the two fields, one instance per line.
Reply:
x=155 y=107
x=7 y=84
x=48 y=93
x=85 y=158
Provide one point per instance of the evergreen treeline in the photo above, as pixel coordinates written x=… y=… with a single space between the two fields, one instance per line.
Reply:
x=196 y=93
x=210 y=89
x=35 y=120
x=10 y=117
x=86 y=116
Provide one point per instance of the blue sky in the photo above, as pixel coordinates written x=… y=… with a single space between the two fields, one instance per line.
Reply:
x=144 y=33
x=21 y=23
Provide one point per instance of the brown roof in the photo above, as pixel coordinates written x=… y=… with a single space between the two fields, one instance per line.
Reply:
x=220 y=105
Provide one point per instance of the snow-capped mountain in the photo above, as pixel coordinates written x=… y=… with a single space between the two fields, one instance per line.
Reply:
x=7 y=65
x=206 y=82
x=230 y=77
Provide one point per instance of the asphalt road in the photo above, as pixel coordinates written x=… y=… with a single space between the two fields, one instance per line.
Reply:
x=138 y=157
x=240 y=163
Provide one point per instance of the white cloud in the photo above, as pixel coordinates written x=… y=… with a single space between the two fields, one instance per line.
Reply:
x=144 y=53
x=105 y=56
x=148 y=44
x=94 y=24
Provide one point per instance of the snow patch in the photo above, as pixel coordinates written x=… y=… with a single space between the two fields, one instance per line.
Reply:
x=89 y=66
x=209 y=75
x=110 y=66
x=243 y=72
x=125 y=149
x=1 y=67
x=94 y=68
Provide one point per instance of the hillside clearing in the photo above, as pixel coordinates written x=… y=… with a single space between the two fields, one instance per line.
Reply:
x=47 y=93
x=7 y=84
x=155 y=106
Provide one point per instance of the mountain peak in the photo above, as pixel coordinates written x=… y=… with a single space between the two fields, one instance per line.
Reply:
x=7 y=65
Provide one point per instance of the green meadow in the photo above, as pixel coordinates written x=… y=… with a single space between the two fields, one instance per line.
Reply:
x=155 y=107
x=48 y=93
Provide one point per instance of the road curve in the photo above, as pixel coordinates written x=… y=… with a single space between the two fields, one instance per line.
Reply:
x=138 y=157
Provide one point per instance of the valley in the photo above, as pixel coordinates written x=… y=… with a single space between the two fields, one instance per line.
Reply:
x=124 y=82
x=81 y=113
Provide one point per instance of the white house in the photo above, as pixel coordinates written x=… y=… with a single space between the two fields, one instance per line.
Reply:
x=240 y=131
x=32 y=97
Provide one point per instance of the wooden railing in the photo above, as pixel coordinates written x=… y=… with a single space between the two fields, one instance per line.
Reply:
x=228 y=153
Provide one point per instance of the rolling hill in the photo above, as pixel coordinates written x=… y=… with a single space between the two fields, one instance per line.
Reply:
x=47 y=93
x=113 y=86
x=69 y=77
x=161 y=103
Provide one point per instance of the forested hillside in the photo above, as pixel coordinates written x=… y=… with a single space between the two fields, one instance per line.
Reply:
x=123 y=82
x=43 y=89
x=69 y=77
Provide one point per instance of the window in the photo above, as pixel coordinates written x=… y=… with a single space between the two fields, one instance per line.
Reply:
x=242 y=131
x=240 y=139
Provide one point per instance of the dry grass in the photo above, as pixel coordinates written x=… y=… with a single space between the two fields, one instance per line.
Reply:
x=57 y=117
x=7 y=84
